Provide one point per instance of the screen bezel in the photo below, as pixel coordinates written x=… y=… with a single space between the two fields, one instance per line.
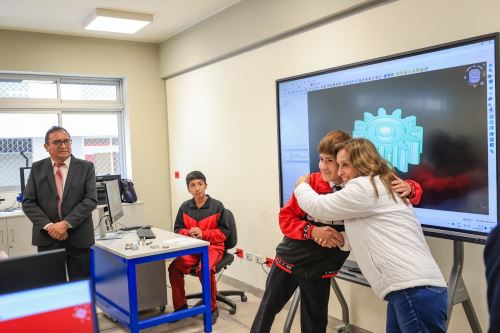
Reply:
x=429 y=230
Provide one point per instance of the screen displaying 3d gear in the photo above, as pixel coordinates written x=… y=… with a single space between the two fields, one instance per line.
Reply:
x=431 y=113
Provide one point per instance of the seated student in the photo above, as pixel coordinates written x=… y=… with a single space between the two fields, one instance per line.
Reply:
x=383 y=231
x=300 y=261
x=492 y=263
x=201 y=217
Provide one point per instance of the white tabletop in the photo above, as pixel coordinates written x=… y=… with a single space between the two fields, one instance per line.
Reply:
x=165 y=241
x=12 y=213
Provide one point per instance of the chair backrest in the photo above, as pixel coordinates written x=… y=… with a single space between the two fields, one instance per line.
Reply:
x=232 y=239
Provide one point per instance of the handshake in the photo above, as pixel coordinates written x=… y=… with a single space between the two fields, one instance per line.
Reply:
x=327 y=237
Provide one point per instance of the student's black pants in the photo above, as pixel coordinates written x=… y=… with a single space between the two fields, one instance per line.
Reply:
x=280 y=286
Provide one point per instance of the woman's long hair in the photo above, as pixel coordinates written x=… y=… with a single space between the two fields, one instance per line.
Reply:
x=366 y=159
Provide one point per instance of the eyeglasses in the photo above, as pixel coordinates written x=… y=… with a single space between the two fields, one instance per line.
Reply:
x=59 y=143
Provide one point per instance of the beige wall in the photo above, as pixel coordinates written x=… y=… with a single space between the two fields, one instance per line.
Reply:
x=245 y=24
x=222 y=120
x=147 y=121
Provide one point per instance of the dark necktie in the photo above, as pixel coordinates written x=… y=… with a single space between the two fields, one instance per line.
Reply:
x=337 y=188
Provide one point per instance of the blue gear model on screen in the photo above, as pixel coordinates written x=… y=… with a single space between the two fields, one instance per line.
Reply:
x=398 y=140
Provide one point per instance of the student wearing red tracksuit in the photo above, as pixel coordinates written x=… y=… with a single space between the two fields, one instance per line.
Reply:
x=300 y=261
x=201 y=217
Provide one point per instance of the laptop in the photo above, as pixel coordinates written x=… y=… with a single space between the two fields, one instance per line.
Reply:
x=61 y=308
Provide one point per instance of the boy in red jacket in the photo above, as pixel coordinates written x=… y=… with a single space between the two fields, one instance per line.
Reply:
x=200 y=217
x=300 y=261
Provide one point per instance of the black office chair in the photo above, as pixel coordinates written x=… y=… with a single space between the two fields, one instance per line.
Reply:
x=227 y=259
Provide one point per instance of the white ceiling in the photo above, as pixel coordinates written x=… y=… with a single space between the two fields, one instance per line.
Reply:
x=65 y=17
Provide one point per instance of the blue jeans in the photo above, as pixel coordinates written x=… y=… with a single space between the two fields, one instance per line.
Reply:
x=417 y=310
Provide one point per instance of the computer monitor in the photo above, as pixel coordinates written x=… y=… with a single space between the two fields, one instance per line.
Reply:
x=113 y=200
x=32 y=271
x=114 y=209
x=24 y=174
x=61 y=308
x=101 y=190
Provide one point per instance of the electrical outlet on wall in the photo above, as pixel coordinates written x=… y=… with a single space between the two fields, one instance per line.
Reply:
x=249 y=256
x=259 y=259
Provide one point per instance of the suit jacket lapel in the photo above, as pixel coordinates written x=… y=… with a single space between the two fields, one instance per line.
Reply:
x=73 y=166
x=49 y=169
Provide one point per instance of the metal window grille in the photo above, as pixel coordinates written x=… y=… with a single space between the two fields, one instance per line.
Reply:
x=89 y=92
x=104 y=153
x=27 y=89
x=11 y=159
x=15 y=145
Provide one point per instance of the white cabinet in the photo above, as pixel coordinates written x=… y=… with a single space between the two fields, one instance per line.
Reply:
x=3 y=236
x=15 y=236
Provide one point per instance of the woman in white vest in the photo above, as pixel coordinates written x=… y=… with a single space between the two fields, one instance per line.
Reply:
x=386 y=238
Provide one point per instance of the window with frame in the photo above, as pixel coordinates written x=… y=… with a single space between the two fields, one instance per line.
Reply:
x=90 y=109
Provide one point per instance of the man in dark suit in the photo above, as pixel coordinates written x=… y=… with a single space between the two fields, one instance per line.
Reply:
x=59 y=199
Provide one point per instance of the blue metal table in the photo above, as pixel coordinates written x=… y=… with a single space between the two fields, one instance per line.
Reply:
x=113 y=269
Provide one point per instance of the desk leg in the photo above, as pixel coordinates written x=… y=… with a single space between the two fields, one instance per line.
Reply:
x=205 y=273
x=92 y=268
x=346 y=326
x=92 y=273
x=291 y=312
x=132 y=294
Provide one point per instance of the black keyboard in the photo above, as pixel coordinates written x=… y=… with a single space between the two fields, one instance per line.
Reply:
x=145 y=233
x=135 y=227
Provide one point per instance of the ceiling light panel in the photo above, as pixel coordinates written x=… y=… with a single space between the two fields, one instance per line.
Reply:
x=116 y=21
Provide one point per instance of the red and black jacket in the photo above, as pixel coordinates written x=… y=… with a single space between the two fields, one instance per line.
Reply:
x=209 y=218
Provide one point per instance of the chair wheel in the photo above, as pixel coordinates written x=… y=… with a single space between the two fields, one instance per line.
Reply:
x=232 y=311
x=244 y=298
x=162 y=308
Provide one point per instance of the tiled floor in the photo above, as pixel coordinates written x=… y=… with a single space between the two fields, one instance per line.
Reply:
x=239 y=322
